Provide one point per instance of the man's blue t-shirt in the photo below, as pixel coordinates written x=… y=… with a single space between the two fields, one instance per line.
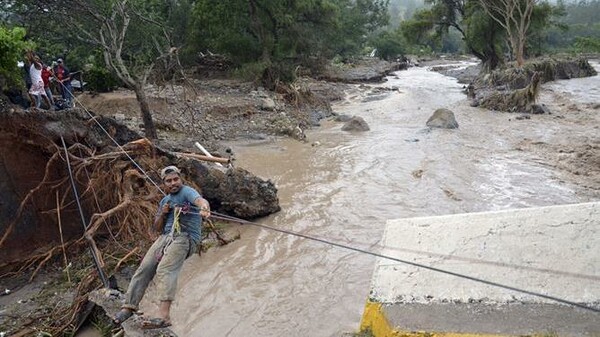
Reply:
x=189 y=219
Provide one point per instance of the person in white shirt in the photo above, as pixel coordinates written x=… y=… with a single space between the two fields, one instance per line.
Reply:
x=37 y=83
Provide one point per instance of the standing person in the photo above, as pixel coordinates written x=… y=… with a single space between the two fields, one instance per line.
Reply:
x=46 y=74
x=179 y=221
x=27 y=78
x=63 y=77
x=37 y=83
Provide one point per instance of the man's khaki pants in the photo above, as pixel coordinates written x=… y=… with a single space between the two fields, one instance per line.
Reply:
x=164 y=259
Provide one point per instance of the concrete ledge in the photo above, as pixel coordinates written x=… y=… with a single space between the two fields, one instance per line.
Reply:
x=552 y=251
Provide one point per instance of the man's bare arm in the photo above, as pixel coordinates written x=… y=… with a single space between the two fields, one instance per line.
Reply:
x=159 y=220
x=204 y=207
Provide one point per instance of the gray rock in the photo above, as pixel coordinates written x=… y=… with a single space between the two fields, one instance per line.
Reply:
x=342 y=118
x=315 y=117
x=267 y=104
x=540 y=109
x=442 y=118
x=356 y=124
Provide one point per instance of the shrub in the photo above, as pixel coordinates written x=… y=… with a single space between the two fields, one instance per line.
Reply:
x=100 y=79
x=12 y=48
x=587 y=44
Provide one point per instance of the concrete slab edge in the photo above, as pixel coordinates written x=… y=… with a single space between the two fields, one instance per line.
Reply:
x=375 y=321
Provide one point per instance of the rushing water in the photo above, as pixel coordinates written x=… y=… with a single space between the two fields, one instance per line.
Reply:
x=344 y=189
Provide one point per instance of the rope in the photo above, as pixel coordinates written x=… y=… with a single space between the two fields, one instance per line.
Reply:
x=83 y=222
x=113 y=140
x=415 y=264
x=225 y=217
x=176 y=224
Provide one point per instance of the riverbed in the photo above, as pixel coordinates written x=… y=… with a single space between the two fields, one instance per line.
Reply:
x=343 y=187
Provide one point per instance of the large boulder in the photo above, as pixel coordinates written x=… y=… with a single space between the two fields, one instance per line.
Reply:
x=356 y=124
x=442 y=118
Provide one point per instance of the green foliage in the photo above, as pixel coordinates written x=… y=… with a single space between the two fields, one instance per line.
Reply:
x=587 y=44
x=543 y=19
x=100 y=79
x=224 y=27
x=580 y=20
x=282 y=34
x=389 y=44
x=483 y=34
x=12 y=47
x=250 y=71
x=450 y=27
x=419 y=30
x=584 y=12
x=357 y=20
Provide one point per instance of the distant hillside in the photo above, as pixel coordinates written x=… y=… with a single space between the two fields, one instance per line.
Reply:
x=401 y=10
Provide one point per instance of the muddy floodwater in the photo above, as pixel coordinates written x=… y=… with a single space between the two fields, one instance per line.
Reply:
x=344 y=186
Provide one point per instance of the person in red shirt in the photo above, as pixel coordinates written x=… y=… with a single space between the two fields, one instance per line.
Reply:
x=63 y=77
x=46 y=74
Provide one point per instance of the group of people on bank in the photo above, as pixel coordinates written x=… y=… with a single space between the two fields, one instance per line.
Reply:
x=43 y=81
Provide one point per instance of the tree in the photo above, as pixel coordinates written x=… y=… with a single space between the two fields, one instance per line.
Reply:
x=277 y=35
x=272 y=35
x=130 y=50
x=480 y=34
x=12 y=47
x=515 y=17
x=389 y=44
x=483 y=36
x=356 y=21
x=544 y=18
x=132 y=35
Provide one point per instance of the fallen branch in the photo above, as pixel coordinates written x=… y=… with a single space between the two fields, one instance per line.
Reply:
x=202 y=157
x=124 y=258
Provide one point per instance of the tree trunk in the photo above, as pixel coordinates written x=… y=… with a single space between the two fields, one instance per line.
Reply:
x=490 y=61
x=520 y=50
x=149 y=128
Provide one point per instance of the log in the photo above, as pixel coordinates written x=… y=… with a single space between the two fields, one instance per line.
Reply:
x=204 y=158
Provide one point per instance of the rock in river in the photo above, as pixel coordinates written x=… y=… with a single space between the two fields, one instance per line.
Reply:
x=442 y=118
x=356 y=124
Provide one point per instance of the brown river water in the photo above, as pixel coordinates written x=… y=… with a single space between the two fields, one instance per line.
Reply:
x=344 y=189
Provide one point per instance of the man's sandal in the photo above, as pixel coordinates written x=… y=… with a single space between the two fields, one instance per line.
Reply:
x=122 y=316
x=155 y=323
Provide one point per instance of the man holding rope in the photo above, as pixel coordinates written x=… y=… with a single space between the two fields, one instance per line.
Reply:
x=179 y=222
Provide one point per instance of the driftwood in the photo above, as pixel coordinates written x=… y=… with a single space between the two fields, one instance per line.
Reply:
x=203 y=158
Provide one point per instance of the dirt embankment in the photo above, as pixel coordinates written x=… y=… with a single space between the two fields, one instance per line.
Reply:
x=215 y=110
x=211 y=110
